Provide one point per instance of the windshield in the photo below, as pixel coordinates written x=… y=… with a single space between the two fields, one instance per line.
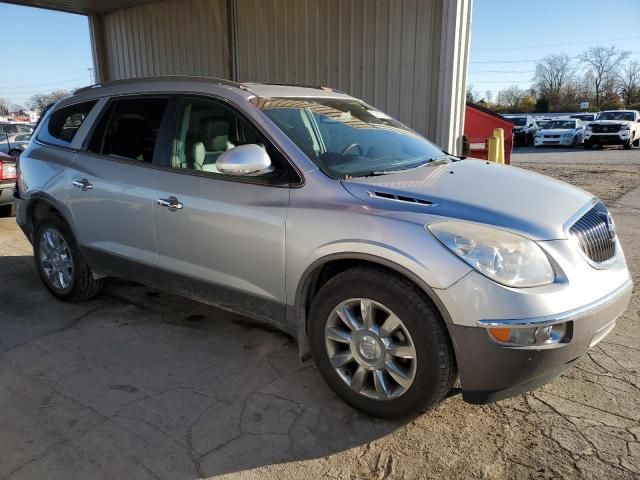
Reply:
x=518 y=121
x=628 y=116
x=561 y=124
x=348 y=138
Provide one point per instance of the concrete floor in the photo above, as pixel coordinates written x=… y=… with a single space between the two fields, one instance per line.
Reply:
x=143 y=384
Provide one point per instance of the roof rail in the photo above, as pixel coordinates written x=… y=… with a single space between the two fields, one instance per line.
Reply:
x=159 y=78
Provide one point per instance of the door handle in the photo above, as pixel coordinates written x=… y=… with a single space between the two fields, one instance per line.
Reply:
x=83 y=184
x=171 y=203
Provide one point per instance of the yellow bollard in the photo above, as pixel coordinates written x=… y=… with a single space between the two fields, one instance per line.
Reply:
x=493 y=149
x=499 y=133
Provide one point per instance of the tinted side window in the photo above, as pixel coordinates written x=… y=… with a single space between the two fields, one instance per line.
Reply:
x=129 y=129
x=207 y=129
x=64 y=123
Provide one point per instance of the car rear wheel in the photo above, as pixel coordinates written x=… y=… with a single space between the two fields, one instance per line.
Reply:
x=60 y=263
x=380 y=344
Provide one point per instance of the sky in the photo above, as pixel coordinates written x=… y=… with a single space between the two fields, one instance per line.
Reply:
x=509 y=36
x=51 y=50
x=42 y=51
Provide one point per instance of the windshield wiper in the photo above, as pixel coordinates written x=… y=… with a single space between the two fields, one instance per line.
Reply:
x=429 y=162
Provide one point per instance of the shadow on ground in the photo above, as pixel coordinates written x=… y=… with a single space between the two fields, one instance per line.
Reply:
x=140 y=381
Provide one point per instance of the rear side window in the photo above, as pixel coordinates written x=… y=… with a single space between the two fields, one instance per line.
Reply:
x=64 y=123
x=129 y=129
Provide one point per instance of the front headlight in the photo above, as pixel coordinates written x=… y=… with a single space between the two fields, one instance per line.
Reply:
x=625 y=127
x=588 y=127
x=505 y=257
x=565 y=135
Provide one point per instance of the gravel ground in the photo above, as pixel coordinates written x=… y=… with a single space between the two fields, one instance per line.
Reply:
x=143 y=384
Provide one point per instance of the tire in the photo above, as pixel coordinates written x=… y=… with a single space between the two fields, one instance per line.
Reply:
x=627 y=145
x=432 y=369
x=81 y=285
x=587 y=145
x=637 y=142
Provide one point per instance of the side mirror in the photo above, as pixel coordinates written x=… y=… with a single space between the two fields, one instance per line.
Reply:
x=245 y=160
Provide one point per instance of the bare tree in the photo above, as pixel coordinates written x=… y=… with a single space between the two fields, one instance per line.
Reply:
x=40 y=101
x=488 y=96
x=553 y=74
x=629 y=82
x=511 y=97
x=604 y=63
x=471 y=95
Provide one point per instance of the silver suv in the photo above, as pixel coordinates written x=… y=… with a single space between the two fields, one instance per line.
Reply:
x=396 y=265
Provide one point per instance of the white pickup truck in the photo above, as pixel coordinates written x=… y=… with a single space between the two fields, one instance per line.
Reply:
x=614 y=127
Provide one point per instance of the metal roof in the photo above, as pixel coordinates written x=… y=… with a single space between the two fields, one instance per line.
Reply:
x=84 y=7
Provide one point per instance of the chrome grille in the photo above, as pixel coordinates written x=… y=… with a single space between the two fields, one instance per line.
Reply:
x=605 y=128
x=595 y=233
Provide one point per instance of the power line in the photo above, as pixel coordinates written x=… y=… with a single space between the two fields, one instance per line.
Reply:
x=554 y=45
x=632 y=52
x=34 y=87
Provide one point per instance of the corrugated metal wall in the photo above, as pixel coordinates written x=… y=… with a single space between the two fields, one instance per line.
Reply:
x=187 y=37
x=384 y=51
x=406 y=57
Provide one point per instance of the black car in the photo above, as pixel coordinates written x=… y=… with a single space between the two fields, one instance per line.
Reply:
x=524 y=129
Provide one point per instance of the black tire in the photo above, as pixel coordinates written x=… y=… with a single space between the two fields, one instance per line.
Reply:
x=587 y=145
x=627 y=145
x=83 y=285
x=435 y=371
x=637 y=143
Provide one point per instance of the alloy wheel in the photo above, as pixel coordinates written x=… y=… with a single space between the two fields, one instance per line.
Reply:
x=55 y=259
x=370 y=349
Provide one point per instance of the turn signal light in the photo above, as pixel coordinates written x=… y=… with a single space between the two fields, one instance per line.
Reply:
x=529 y=336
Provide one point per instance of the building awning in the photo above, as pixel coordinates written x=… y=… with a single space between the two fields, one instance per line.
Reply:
x=84 y=7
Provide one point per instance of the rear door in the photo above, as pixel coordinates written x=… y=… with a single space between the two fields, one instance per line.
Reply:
x=223 y=239
x=110 y=191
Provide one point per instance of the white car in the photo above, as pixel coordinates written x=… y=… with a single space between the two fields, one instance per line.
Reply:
x=14 y=145
x=566 y=132
x=614 y=127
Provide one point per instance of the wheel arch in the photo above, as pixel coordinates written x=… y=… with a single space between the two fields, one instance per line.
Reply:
x=41 y=204
x=323 y=269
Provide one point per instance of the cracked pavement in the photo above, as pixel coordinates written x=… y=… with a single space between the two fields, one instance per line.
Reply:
x=143 y=384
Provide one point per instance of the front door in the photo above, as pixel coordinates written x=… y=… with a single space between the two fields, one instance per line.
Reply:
x=222 y=236
x=110 y=190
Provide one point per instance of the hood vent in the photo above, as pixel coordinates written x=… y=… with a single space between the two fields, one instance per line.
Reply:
x=400 y=198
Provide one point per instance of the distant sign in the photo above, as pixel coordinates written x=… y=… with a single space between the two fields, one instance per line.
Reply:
x=584 y=105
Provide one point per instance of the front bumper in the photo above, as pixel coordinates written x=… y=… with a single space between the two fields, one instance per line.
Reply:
x=608 y=138
x=490 y=371
x=6 y=193
x=560 y=141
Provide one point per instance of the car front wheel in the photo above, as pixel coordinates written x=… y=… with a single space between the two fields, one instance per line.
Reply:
x=380 y=344
x=60 y=264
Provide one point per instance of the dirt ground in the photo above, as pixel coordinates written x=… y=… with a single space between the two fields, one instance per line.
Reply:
x=143 y=384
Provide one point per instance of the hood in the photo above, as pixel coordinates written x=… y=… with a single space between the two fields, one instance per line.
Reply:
x=479 y=191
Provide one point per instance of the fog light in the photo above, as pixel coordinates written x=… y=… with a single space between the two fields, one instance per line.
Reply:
x=528 y=336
